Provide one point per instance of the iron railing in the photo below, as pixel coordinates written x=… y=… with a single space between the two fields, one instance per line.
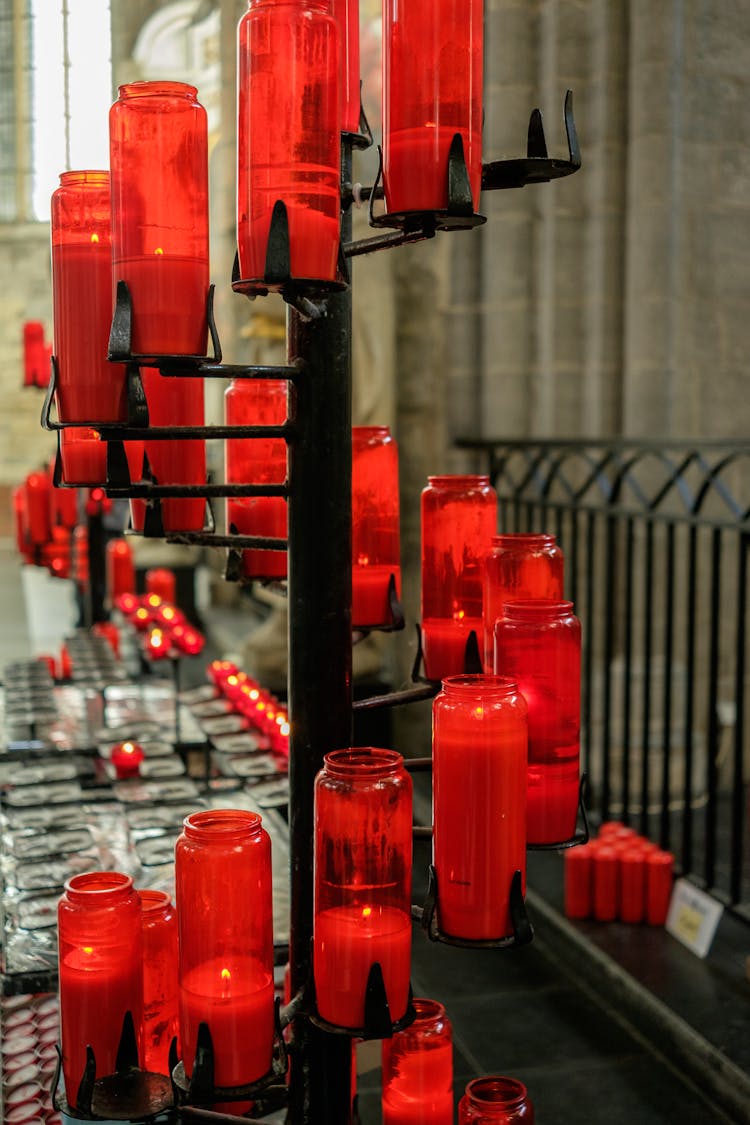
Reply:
x=655 y=536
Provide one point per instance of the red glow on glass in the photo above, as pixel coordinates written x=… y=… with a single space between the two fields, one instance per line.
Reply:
x=538 y=644
x=288 y=135
x=459 y=516
x=141 y=618
x=83 y=457
x=480 y=736
x=363 y=849
x=100 y=958
x=159 y=644
x=376 y=553
x=432 y=89
x=88 y=388
x=190 y=641
x=223 y=878
x=126 y=757
x=160 y=981
x=518 y=567
x=159 y=161
x=262 y=402
x=127 y=604
x=418 y=1070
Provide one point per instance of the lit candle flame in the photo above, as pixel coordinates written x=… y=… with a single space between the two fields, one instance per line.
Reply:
x=366 y=911
x=158 y=250
x=94 y=237
x=127 y=748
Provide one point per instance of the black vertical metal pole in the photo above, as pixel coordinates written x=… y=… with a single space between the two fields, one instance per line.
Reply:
x=320 y=658
x=95 y=610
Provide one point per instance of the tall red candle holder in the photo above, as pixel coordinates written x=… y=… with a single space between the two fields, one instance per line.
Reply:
x=362 y=886
x=160 y=980
x=376 y=552
x=538 y=643
x=516 y=568
x=417 y=1067
x=226 y=996
x=458 y=517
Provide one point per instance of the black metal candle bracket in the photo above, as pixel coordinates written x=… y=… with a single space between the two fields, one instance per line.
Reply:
x=428 y=915
x=472 y=659
x=121 y=335
x=137 y=410
x=378 y=1023
x=301 y=292
x=127 y=1095
x=200 y=1088
x=581 y=837
x=427 y=690
x=537 y=167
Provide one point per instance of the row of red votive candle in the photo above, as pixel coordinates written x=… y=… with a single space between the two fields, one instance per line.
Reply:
x=619 y=876
x=167 y=631
x=259 y=707
x=30 y=1032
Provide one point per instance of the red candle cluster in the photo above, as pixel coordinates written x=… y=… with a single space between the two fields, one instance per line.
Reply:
x=167 y=633
x=262 y=710
x=620 y=876
x=43 y=518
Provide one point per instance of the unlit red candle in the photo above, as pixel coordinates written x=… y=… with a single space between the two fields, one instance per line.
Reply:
x=659 y=878
x=605 y=884
x=578 y=876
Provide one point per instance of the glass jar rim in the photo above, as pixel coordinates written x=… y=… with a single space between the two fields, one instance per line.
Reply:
x=144 y=88
x=480 y=683
x=98 y=886
x=459 y=480
x=496 y=1089
x=154 y=901
x=529 y=609
x=362 y=761
x=96 y=177
x=221 y=824
x=523 y=539
x=370 y=431
x=427 y=1010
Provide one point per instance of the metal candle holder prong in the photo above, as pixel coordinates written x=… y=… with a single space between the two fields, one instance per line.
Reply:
x=536 y=167
x=581 y=837
x=121 y=338
x=472 y=659
x=378 y=1023
x=427 y=915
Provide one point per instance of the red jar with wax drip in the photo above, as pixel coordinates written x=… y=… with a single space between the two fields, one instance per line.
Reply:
x=432 y=89
x=288 y=137
x=100 y=950
x=376 y=553
x=362 y=882
x=518 y=567
x=160 y=982
x=418 y=1069
x=480 y=737
x=261 y=402
x=346 y=14
x=538 y=643
x=174 y=402
x=88 y=388
x=459 y=516
x=224 y=917
x=37 y=488
x=120 y=569
x=158 y=145
x=496 y=1100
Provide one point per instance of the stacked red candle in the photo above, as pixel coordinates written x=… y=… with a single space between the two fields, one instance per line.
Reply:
x=458 y=516
x=432 y=89
x=362 y=882
x=496 y=1100
x=418 y=1070
x=120 y=568
x=159 y=161
x=224 y=915
x=518 y=567
x=376 y=554
x=288 y=136
x=538 y=643
x=262 y=402
x=160 y=982
x=88 y=388
x=480 y=737
x=621 y=876
x=100 y=958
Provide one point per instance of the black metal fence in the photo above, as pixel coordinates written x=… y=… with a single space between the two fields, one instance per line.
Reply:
x=655 y=536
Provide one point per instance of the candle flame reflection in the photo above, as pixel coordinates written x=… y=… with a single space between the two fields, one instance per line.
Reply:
x=94 y=237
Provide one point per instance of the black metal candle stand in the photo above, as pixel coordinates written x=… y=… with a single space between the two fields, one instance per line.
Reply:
x=128 y=1094
x=536 y=167
x=378 y=1023
x=200 y=1089
x=581 y=837
x=428 y=916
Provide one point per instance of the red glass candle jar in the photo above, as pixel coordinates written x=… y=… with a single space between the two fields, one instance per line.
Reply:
x=288 y=139
x=495 y=1100
x=120 y=568
x=126 y=757
x=63 y=504
x=479 y=740
x=37 y=489
x=517 y=568
x=35 y=361
x=262 y=402
x=224 y=918
x=160 y=580
x=160 y=982
x=376 y=554
x=362 y=881
x=432 y=89
x=158 y=145
x=538 y=643
x=100 y=956
x=346 y=14
x=88 y=388
x=418 y=1070
x=174 y=402
x=459 y=515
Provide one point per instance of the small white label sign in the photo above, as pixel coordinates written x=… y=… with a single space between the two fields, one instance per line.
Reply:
x=693 y=917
